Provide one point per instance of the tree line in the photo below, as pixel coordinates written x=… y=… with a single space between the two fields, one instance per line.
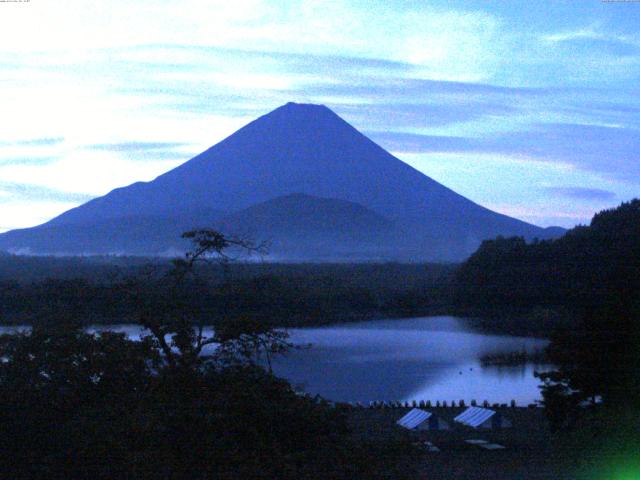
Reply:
x=292 y=295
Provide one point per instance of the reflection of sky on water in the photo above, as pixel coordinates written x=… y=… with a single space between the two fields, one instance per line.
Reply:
x=431 y=358
x=425 y=358
x=471 y=381
x=132 y=331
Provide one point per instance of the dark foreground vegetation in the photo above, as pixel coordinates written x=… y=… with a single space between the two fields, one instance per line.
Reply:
x=80 y=406
x=88 y=406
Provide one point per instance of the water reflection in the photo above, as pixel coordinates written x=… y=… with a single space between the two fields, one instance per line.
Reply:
x=430 y=358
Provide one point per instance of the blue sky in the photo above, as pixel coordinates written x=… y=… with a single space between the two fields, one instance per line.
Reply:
x=531 y=109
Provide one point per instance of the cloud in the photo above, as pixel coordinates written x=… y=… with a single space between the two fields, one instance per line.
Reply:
x=572 y=35
x=194 y=58
x=134 y=146
x=597 y=54
x=624 y=112
x=199 y=80
x=402 y=142
x=32 y=151
x=592 y=34
x=28 y=160
x=439 y=114
x=11 y=192
x=36 y=142
x=233 y=71
x=445 y=43
x=376 y=103
x=613 y=151
x=145 y=151
x=367 y=89
x=88 y=172
x=592 y=44
x=581 y=193
x=606 y=149
x=392 y=85
x=611 y=47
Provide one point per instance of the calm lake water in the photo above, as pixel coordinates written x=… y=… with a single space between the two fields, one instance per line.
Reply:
x=429 y=358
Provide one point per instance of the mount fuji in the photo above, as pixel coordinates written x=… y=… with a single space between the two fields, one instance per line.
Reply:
x=299 y=177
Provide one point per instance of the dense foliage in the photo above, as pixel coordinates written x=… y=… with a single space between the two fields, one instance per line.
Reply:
x=579 y=269
x=287 y=295
x=546 y=281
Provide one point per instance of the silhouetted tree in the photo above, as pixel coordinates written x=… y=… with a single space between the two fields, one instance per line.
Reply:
x=180 y=334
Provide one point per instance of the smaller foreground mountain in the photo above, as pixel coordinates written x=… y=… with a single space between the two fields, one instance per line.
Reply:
x=300 y=226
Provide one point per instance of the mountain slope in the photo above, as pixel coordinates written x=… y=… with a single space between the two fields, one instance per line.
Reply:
x=132 y=234
x=303 y=149
x=300 y=226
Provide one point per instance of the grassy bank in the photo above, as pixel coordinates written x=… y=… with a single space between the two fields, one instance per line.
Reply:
x=530 y=448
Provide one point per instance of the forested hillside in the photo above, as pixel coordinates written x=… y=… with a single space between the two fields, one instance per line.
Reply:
x=579 y=271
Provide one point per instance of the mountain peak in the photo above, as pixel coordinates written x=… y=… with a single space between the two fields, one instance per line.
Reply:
x=298 y=132
x=304 y=106
x=302 y=112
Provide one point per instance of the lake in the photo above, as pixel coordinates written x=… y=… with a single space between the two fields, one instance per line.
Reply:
x=428 y=358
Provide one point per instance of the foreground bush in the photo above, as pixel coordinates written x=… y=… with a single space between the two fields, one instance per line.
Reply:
x=77 y=405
